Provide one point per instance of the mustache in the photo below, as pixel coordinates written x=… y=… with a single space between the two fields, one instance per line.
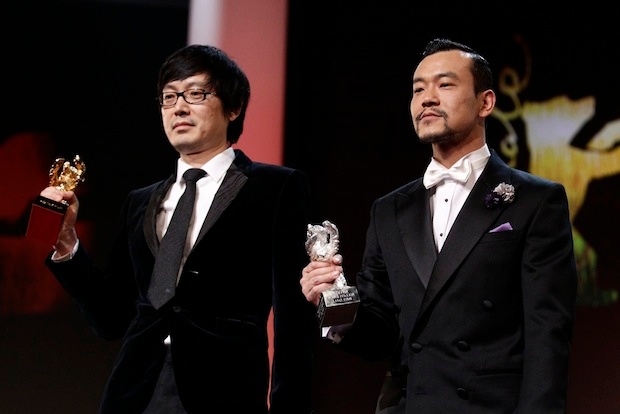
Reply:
x=431 y=111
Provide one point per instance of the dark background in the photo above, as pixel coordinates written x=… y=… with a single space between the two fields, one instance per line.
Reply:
x=82 y=74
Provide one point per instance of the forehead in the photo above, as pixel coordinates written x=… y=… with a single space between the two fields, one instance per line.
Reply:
x=454 y=62
x=195 y=81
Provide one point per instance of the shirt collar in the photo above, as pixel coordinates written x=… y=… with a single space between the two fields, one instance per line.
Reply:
x=216 y=167
x=479 y=157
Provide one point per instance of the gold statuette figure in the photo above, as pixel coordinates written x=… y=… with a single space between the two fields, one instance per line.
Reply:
x=65 y=175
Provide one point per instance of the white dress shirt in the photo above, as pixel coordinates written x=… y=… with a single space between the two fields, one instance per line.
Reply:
x=206 y=188
x=450 y=195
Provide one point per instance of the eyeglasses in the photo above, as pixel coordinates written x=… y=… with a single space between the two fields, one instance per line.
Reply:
x=191 y=96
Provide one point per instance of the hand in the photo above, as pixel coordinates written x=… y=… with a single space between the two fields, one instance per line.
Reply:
x=319 y=276
x=67 y=236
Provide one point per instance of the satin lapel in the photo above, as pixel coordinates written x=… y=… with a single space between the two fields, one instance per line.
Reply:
x=232 y=184
x=412 y=213
x=150 y=215
x=470 y=225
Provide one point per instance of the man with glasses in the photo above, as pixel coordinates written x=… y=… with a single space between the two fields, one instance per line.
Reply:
x=195 y=334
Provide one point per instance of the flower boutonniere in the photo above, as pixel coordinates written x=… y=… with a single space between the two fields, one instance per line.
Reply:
x=501 y=195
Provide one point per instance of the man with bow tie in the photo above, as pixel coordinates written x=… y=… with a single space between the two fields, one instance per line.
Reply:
x=468 y=278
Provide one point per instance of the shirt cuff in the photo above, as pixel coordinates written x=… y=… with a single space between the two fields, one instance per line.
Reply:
x=56 y=258
x=336 y=333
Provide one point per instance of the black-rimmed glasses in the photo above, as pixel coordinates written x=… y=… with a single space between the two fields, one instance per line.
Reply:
x=191 y=96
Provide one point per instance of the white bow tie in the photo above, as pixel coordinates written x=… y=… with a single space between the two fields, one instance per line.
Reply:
x=435 y=172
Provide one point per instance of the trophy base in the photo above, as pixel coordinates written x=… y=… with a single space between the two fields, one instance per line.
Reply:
x=45 y=220
x=338 y=306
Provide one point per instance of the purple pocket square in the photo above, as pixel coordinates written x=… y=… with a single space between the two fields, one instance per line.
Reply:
x=501 y=227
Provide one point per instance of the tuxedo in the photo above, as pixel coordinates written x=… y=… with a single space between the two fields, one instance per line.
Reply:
x=247 y=258
x=491 y=333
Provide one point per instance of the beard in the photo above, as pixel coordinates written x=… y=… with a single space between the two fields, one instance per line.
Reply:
x=435 y=137
x=446 y=135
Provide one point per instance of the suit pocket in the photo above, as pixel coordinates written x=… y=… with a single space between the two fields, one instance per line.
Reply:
x=501 y=236
x=228 y=330
x=495 y=389
x=237 y=328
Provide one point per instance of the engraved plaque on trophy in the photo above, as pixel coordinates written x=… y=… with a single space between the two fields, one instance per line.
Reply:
x=46 y=215
x=338 y=304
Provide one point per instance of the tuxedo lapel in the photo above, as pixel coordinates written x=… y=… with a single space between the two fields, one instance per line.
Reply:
x=470 y=225
x=231 y=185
x=413 y=212
x=234 y=180
x=150 y=215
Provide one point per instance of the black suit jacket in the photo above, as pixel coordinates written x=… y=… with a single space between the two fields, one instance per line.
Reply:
x=247 y=259
x=492 y=331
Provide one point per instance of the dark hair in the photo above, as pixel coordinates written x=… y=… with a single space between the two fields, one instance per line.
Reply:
x=226 y=79
x=481 y=70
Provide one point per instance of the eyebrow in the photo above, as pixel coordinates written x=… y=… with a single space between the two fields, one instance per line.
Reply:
x=195 y=83
x=440 y=75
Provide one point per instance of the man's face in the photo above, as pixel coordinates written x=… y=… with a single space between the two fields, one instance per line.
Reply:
x=198 y=127
x=444 y=107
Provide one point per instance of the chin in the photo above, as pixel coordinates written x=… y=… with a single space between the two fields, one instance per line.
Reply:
x=183 y=145
x=429 y=138
x=436 y=137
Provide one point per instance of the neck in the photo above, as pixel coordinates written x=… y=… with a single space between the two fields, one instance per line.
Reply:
x=447 y=154
x=198 y=159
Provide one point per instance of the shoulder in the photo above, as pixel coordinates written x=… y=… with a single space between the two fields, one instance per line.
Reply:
x=406 y=190
x=264 y=168
x=526 y=183
x=499 y=171
x=527 y=178
x=261 y=170
x=141 y=196
x=146 y=191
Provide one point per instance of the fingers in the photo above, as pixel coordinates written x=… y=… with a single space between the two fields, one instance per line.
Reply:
x=55 y=194
x=52 y=193
x=318 y=277
x=337 y=259
x=67 y=236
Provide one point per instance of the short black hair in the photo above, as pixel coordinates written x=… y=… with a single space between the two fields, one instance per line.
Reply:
x=226 y=79
x=481 y=70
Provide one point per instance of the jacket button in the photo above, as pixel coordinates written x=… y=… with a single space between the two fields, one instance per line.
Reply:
x=462 y=346
x=462 y=393
x=487 y=304
x=177 y=308
x=416 y=347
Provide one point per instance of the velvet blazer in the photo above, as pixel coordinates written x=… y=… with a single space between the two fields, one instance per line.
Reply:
x=247 y=259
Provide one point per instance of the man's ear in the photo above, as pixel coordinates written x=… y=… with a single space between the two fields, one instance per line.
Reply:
x=233 y=115
x=488 y=103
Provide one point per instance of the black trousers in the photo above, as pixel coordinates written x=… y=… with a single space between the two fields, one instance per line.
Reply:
x=165 y=398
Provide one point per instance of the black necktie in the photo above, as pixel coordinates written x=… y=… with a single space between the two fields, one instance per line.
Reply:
x=168 y=259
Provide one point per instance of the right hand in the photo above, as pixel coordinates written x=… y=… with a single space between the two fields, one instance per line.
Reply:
x=67 y=236
x=319 y=276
